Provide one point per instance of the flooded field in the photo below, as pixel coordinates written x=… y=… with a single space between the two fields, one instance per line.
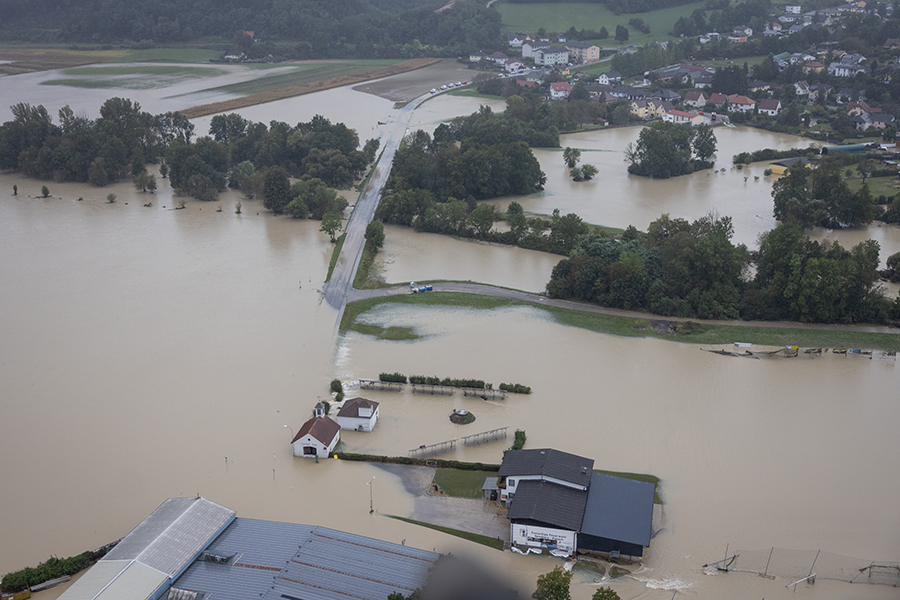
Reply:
x=141 y=346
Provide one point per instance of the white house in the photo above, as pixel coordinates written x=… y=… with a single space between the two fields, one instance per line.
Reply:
x=741 y=103
x=514 y=65
x=770 y=106
x=683 y=117
x=529 y=48
x=610 y=78
x=792 y=9
x=560 y=90
x=317 y=437
x=358 y=414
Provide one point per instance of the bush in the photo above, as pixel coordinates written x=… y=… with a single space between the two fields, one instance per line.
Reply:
x=339 y=397
x=337 y=386
x=392 y=377
x=515 y=388
x=519 y=441
x=51 y=569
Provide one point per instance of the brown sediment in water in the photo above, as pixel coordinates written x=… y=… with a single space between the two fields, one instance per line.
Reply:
x=309 y=88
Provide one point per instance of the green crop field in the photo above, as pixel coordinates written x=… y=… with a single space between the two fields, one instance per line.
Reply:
x=528 y=18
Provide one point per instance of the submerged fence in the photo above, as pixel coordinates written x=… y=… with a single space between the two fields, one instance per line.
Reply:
x=792 y=566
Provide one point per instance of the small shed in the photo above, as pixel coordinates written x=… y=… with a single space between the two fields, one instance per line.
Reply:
x=780 y=167
x=358 y=414
x=490 y=490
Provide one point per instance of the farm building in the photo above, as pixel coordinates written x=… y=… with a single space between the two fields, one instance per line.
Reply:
x=358 y=414
x=318 y=436
x=146 y=562
x=780 y=167
x=194 y=549
x=556 y=501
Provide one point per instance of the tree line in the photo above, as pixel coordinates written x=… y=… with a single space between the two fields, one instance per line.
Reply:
x=309 y=29
x=666 y=150
x=684 y=269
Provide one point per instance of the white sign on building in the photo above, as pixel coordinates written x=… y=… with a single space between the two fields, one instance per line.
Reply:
x=543 y=537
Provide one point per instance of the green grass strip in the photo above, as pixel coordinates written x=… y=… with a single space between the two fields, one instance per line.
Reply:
x=472 y=537
x=702 y=333
x=462 y=484
x=334 y=256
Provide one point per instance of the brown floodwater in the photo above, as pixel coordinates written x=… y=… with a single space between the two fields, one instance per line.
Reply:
x=141 y=346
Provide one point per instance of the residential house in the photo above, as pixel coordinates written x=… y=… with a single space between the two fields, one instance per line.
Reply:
x=800 y=57
x=560 y=90
x=529 y=48
x=819 y=90
x=891 y=44
x=583 y=52
x=317 y=437
x=639 y=108
x=848 y=66
x=794 y=29
x=792 y=9
x=858 y=107
x=667 y=95
x=709 y=37
x=657 y=109
x=813 y=66
x=683 y=118
x=594 y=89
x=770 y=106
x=514 y=65
x=737 y=38
x=702 y=81
x=773 y=26
x=358 y=414
x=475 y=57
x=740 y=103
x=610 y=78
x=516 y=40
x=742 y=30
x=552 y=55
x=865 y=121
x=497 y=57
x=787 y=19
x=717 y=99
x=802 y=89
x=756 y=85
x=695 y=98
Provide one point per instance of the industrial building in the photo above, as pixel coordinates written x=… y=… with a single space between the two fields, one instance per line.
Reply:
x=557 y=501
x=194 y=549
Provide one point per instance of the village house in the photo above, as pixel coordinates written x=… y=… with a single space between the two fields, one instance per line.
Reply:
x=556 y=501
x=740 y=103
x=757 y=85
x=737 y=38
x=683 y=118
x=695 y=99
x=610 y=78
x=871 y=120
x=639 y=108
x=583 y=52
x=497 y=57
x=712 y=36
x=813 y=66
x=858 y=107
x=475 y=57
x=802 y=89
x=792 y=9
x=770 y=106
x=514 y=65
x=317 y=437
x=358 y=414
x=552 y=55
x=717 y=99
x=891 y=44
x=516 y=40
x=849 y=66
x=529 y=48
x=667 y=95
x=819 y=90
x=560 y=90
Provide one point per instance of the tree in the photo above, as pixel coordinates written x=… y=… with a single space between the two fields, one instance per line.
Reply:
x=621 y=34
x=553 y=585
x=151 y=184
x=576 y=174
x=45 y=191
x=588 y=171
x=482 y=219
x=164 y=170
x=605 y=593
x=571 y=156
x=331 y=223
x=276 y=189
x=15 y=190
x=375 y=233
x=142 y=181
x=704 y=144
x=110 y=198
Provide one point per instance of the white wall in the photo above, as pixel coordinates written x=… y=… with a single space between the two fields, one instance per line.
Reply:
x=537 y=537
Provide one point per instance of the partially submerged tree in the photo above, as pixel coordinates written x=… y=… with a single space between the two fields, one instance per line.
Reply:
x=553 y=585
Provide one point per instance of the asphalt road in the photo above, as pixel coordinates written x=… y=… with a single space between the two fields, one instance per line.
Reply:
x=341 y=282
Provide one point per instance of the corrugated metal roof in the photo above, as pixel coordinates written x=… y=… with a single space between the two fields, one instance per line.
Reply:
x=301 y=561
x=619 y=509
x=173 y=534
x=555 y=505
x=549 y=463
x=94 y=580
x=137 y=582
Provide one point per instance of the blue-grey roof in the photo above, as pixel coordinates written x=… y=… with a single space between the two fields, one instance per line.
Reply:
x=547 y=462
x=619 y=509
x=273 y=561
x=555 y=505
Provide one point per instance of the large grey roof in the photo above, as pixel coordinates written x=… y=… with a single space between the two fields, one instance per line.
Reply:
x=173 y=534
x=549 y=503
x=274 y=561
x=619 y=509
x=548 y=463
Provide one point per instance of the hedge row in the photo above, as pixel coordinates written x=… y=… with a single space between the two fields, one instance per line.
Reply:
x=515 y=388
x=50 y=569
x=405 y=460
x=392 y=377
x=745 y=158
x=519 y=442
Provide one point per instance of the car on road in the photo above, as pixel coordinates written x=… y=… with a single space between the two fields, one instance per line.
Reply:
x=433 y=90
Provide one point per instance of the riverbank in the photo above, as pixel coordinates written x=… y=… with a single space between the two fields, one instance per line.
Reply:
x=619 y=322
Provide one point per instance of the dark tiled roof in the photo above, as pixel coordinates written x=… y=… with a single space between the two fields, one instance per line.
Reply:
x=618 y=509
x=321 y=428
x=548 y=463
x=549 y=503
x=351 y=407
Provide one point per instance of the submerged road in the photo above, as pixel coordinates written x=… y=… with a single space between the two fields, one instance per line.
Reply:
x=541 y=300
x=341 y=283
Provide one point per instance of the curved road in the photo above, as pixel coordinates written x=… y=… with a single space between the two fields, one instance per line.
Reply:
x=497 y=292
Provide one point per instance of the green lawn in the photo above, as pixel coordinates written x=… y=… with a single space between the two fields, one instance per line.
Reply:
x=304 y=74
x=528 y=18
x=751 y=61
x=878 y=186
x=460 y=483
x=705 y=334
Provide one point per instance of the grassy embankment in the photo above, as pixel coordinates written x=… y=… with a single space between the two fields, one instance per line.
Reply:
x=528 y=18
x=304 y=80
x=472 y=537
x=702 y=333
x=136 y=77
